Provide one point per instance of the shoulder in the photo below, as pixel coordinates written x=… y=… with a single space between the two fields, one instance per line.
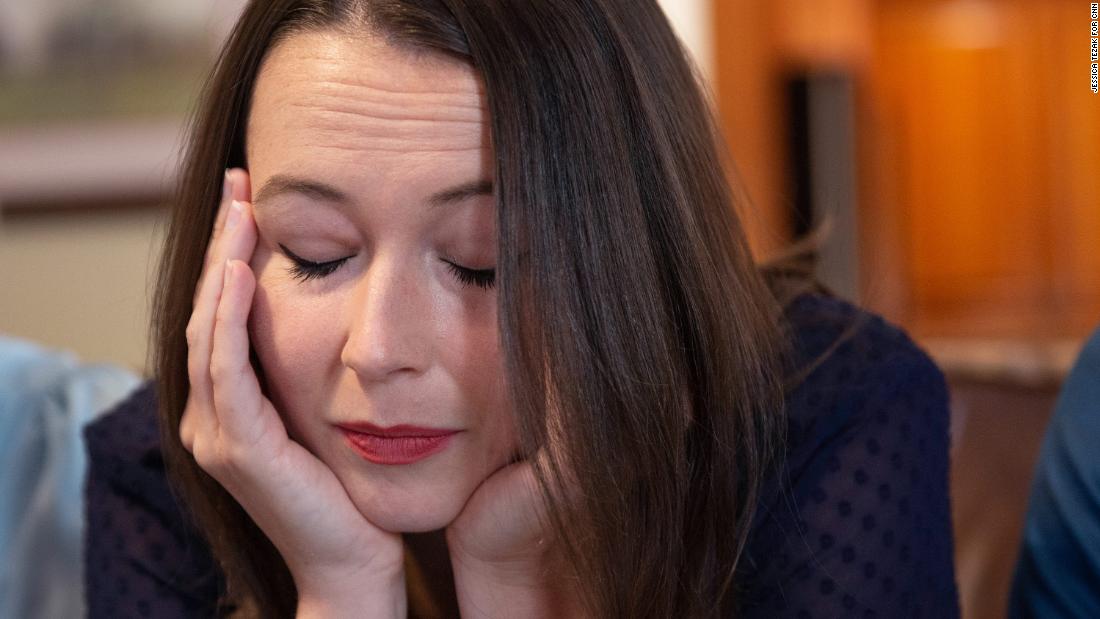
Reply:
x=851 y=367
x=128 y=430
x=142 y=553
x=856 y=522
x=860 y=338
x=125 y=458
x=1074 y=420
x=1053 y=568
x=1083 y=383
x=44 y=388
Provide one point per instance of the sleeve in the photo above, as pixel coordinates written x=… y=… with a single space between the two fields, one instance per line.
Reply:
x=140 y=560
x=862 y=525
x=1058 y=570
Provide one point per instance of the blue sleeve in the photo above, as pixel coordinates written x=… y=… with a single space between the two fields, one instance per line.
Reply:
x=46 y=396
x=1058 y=571
x=862 y=527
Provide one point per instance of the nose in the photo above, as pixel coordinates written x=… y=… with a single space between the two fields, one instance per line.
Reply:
x=386 y=331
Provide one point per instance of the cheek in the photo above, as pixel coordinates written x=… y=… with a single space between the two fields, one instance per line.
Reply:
x=483 y=373
x=293 y=347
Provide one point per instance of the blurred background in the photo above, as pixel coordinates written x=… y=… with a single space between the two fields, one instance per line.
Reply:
x=947 y=152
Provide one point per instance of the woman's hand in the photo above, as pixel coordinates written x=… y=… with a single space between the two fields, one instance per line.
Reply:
x=503 y=554
x=335 y=555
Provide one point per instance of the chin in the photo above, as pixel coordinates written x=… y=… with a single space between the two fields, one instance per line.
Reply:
x=410 y=514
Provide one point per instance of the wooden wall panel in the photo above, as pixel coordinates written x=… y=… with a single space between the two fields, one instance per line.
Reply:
x=979 y=151
x=1074 y=157
x=750 y=109
x=989 y=129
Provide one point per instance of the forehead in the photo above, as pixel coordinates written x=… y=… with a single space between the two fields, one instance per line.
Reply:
x=348 y=98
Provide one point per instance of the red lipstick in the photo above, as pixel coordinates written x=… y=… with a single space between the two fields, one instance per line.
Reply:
x=401 y=444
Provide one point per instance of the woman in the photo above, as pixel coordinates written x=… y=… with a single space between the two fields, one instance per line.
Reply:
x=475 y=330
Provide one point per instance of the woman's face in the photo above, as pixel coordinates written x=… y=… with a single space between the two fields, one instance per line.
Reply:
x=382 y=156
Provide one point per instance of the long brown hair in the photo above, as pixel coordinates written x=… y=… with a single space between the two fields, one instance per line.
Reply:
x=626 y=290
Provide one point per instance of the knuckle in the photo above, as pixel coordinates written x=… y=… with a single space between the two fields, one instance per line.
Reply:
x=221 y=459
x=200 y=449
x=208 y=455
x=191 y=332
x=219 y=370
x=188 y=441
x=189 y=425
x=187 y=433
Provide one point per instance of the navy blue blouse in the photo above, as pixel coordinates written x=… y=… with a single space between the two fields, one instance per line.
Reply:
x=857 y=524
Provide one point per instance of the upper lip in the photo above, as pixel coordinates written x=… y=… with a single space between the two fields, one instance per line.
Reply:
x=398 y=431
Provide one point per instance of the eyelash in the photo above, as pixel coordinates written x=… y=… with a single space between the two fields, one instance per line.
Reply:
x=304 y=270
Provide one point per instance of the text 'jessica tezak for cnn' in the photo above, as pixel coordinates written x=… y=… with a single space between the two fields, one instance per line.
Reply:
x=1094 y=46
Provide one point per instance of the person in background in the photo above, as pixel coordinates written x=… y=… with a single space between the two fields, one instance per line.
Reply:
x=1058 y=570
x=47 y=396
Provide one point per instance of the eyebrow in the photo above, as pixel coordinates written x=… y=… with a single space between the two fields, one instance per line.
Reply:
x=284 y=184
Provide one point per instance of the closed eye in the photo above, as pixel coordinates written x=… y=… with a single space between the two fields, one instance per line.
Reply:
x=305 y=270
x=482 y=278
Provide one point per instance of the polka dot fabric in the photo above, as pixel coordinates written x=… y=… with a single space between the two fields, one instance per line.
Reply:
x=141 y=557
x=856 y=525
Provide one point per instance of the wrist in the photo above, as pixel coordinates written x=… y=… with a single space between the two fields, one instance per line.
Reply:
x=516 y=573
x=518 y=588
x=518 y=567
x=380 y=595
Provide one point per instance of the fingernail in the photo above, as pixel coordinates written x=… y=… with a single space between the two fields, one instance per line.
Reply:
x=234 y=215
x=227 y=185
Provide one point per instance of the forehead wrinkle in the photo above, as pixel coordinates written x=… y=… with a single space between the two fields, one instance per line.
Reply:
x=328 y=127
x=376 y=99
x=329 y=70
x=456 y=108
x=321 y=106
x=361 y=107
x=357 y=130
x=462 y=89
x=466 y=96
x=367 y=144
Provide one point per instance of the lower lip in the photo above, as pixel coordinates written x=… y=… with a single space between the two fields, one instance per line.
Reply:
x=395 y=450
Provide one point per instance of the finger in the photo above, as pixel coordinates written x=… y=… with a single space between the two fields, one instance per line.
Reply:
x=199 y=416
x=234 y=187
x=232 y=376
x=238 y=240
x=530 y=502
x=199 y=332
x=187 y=428
x=508 y=520
x=242 y=185
x=238 y=403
